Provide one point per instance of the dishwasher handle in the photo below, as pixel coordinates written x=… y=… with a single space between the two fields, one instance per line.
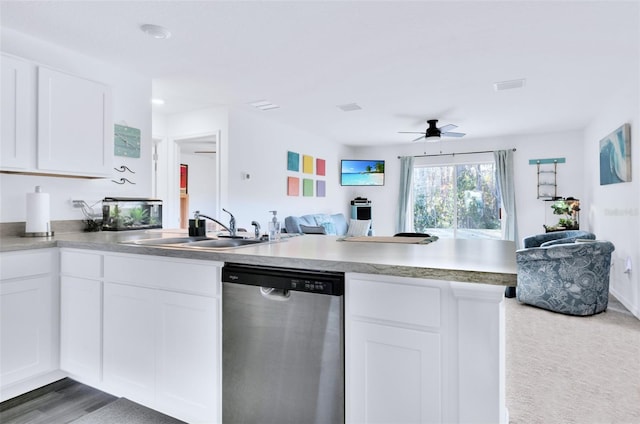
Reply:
x=271 y=293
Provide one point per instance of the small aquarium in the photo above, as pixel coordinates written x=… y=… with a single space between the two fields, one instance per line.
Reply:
x=124 y=213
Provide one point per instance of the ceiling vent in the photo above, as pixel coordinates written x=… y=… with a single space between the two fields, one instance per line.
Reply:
x=509 y=85
x=264 y=105
x=349 y=107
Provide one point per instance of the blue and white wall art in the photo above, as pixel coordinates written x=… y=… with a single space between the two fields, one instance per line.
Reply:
x=615 y=157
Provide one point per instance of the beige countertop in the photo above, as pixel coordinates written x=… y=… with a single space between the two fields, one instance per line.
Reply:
x=476 y=261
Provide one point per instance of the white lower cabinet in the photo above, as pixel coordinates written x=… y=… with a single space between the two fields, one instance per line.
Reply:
x=81 y=315
x=423 y=351
x=395 y=375
x=146 y=328
x=29 y=307
x=162 y=334
x=393 y=351
x=129 y=341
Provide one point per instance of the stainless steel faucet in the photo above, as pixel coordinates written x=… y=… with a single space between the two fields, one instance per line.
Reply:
x=232 y=222
x=256 y=229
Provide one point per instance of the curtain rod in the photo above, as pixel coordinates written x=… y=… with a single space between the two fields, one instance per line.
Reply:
x=453 y=154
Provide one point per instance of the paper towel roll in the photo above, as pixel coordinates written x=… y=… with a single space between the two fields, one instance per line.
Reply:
x=38 y=213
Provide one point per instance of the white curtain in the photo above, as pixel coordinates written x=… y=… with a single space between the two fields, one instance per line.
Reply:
x=504 y=176
x=406 y=177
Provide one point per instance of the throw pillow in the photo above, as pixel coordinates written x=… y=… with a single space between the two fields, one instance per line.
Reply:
x=308 y=229
x=326 y=222
x=358 y=227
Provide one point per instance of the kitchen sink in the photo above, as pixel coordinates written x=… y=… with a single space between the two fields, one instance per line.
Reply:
x=169 y=240
x=196 y=242
x=223 y=243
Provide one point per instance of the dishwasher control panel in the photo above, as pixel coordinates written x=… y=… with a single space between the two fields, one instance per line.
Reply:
x=320 y=282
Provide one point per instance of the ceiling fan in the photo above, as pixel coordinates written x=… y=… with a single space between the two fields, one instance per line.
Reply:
x=434 y=132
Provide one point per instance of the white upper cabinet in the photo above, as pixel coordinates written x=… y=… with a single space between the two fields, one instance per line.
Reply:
x=18 y=113
x=75 y=128
x=54 y=122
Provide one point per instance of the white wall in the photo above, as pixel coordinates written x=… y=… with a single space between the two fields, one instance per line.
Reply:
x=259 y=146
x=131 y=105
x=614 y=210
x=254 y=145
x=530 y=210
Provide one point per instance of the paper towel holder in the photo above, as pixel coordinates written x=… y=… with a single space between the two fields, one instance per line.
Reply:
x=47 y=233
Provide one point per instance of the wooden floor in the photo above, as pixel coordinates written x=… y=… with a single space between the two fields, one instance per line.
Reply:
x=57 y=403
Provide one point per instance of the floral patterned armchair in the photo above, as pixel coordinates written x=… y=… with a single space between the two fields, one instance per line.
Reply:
x=570 y=278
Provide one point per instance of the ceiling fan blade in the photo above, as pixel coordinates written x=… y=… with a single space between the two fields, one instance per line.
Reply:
x=410 y=132
x=419 y=138
x=447 y=127
x=453 y=134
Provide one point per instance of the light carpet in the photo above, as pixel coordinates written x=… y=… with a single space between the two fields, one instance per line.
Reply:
x=563 y=369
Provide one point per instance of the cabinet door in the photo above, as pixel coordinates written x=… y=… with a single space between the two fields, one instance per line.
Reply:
x=28 y=342
x=18 y=108
x=81 y=328
x=75 y=128
x=129 y=342
x=188 y=359
x=393 y=375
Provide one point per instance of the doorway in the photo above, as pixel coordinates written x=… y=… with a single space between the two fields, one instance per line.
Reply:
x=197 y=176
x=202 y=192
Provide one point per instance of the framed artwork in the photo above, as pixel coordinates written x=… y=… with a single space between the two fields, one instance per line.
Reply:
x=321 y=188
x=184 y=178
x=307 y=187
x=126 y=141
x=307 y=164
x=615 y=157
x=293 y=161
x=321 y=167
x=293 y=186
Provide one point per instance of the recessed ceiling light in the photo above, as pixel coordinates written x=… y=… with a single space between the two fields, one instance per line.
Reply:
x=264 y=105
x=509 y=85
x=349 y=107
x=157 y=101
x=155 y=31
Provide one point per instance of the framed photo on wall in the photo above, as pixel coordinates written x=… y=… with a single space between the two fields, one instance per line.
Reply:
x=615 y=157
x=184 y=178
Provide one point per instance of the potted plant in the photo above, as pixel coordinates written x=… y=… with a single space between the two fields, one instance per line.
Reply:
x=568 y=209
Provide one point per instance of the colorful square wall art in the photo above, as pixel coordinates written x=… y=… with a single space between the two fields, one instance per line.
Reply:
x=321 y=188
x=307 y=164
x=293 y=186
x=293 y=161
x=615 y=157
x=321 y=167
x=307 y=187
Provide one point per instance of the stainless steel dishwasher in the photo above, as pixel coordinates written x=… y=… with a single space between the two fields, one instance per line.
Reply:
x=283 y=345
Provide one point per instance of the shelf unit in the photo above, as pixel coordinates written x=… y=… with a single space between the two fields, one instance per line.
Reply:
x=547 y=177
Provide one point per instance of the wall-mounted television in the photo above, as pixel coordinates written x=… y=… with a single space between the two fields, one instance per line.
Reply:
x=361 y=172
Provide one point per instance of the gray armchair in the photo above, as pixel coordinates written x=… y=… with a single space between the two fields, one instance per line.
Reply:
x=570 y=278
x=556 y=237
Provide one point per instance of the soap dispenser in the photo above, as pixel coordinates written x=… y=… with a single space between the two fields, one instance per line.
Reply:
x=274 y=227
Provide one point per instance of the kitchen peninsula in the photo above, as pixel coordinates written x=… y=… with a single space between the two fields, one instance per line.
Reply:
x=424 y=324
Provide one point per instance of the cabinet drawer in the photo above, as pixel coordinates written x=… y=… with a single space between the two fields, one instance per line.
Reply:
x=27 y=263
x=81 y=263
x=182 y=275
x=393 y=299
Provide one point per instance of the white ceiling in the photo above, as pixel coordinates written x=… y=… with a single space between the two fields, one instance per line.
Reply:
x=402 y=62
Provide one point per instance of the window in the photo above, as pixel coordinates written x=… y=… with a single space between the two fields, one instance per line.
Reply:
x=456 y=200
